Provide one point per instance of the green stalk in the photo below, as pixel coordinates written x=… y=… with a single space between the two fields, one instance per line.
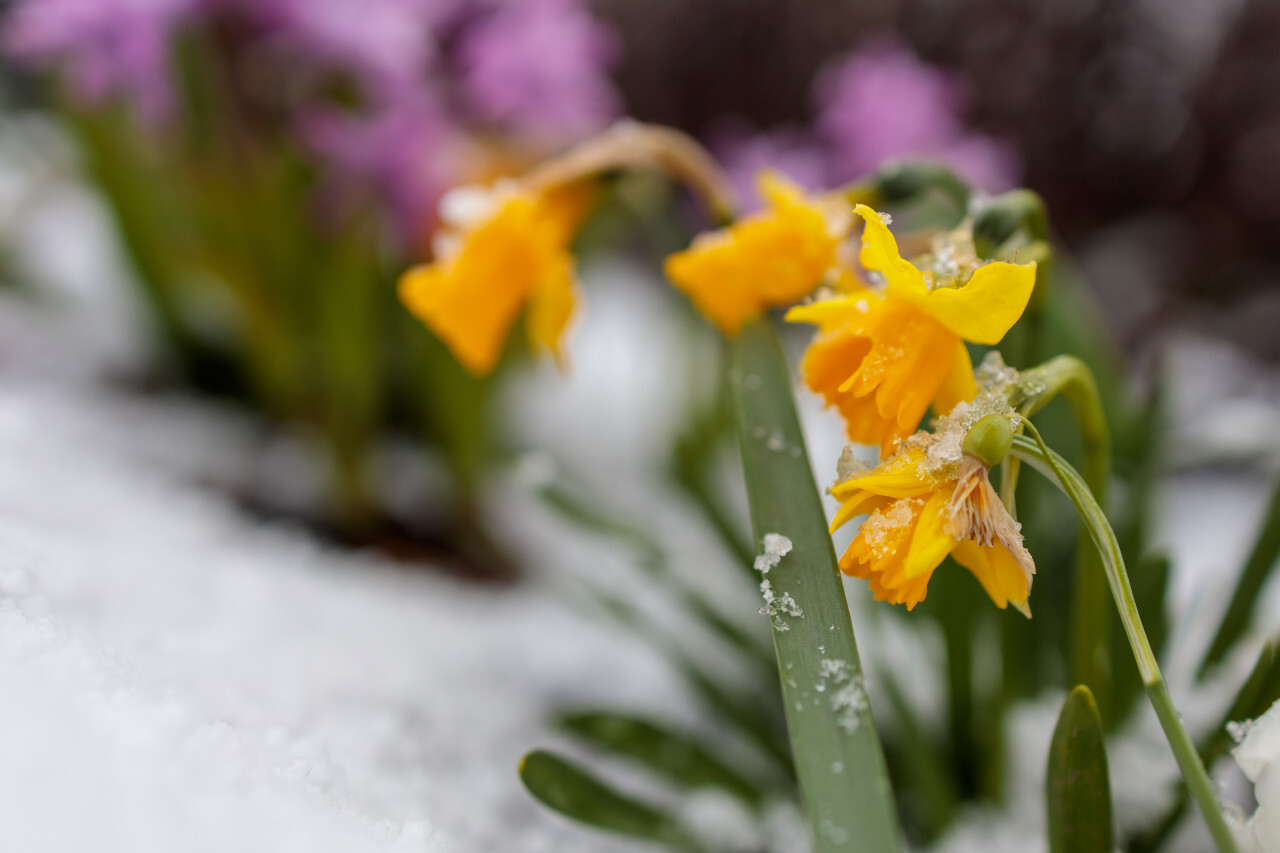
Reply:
x=839 y=763
x=1073 y=486
x=1089 y=661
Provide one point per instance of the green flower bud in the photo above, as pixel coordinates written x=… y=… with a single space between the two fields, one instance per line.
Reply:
x=990 y=440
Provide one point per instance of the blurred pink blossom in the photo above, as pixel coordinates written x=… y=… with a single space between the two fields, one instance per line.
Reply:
x=540 y=67
x=407 y=151
x=792 y=151
x=108 y=48
x=883 y=103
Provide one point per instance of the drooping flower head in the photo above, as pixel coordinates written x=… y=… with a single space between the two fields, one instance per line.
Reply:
x=770 y=258
x=884 y=354
x=931 y=499
x=504 y=251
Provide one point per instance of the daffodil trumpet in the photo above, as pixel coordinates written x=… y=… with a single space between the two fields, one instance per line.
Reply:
x=884 y=353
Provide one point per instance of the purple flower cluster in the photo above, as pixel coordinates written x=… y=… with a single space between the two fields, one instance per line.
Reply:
x=431 y=76
x=879 y=104
x=105 y=47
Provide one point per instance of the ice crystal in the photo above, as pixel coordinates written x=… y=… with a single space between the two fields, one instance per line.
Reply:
x=850 y=703
x=850 y=466
x=776 y=546
x=951 y=260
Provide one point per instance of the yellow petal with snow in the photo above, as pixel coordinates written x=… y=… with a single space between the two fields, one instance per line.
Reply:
x=880 y=254
x=931 y=543
x=988 y=305
x=900 y=476
x=999 y=573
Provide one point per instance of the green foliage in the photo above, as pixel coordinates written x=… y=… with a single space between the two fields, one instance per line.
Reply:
x=576 y=794
x=1257 y=569
x=838 y=759
x=678 y=757
x=1077 y=787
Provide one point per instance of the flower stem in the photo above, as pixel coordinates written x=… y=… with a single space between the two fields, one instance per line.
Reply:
x=1038 y=455
x=1072 y=378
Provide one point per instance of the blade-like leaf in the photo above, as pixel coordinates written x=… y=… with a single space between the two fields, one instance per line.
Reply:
x=1078 y=789
x=677 y=756
x=838 y=758
x=1265 y=555
x=577 y=794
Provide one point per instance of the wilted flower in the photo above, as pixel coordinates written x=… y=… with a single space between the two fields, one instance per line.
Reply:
x=933 y=498
x=882 y=356
x=505 y=250
x=769 y=258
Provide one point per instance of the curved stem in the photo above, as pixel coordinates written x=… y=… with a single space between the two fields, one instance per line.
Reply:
x=1072 y=378
x=1053 y=466
x=634 y=145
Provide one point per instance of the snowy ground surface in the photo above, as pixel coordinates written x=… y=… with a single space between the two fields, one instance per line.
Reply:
x=178 y=676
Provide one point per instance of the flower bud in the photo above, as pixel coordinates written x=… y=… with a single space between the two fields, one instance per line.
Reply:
x=990 y=440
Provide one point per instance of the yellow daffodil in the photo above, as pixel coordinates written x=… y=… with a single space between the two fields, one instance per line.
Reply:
x=934 y=498
x=770 y=258
x=883 y=355
x=504 y=250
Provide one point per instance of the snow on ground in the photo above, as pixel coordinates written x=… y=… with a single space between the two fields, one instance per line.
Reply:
x=184 y=678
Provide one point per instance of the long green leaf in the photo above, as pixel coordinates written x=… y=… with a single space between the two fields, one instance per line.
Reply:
x=677 y=756
x=1264 y=556
x=1077 y=787
x=838 y=758
x=577 y=794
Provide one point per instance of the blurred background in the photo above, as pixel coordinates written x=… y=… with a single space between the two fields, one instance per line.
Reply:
x=204 y=209
x=268 y=168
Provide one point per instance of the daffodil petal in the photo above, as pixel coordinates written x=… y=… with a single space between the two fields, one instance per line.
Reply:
x=863 y=503
x=551 y=308
x=931 y=543
x=986 y=307
x=999 y=573
x=958 y=386
x=898 y=477
x=880 y=254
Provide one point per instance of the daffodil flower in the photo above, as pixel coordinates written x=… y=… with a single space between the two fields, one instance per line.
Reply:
x=882 y=356
x=931 y=499
x=505 y=250
x=774 y=257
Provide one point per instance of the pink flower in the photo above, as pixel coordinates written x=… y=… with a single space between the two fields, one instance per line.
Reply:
x=540 y=67
x=882 y=103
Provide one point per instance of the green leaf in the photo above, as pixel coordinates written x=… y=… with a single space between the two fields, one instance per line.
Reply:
x=836 y=750
x=1265 y=555
x=577 y=794
x=1077 y=787
x=677 y=756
